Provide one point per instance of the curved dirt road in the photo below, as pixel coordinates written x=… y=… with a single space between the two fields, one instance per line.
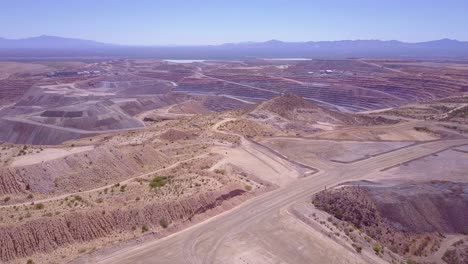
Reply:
x=210 y=241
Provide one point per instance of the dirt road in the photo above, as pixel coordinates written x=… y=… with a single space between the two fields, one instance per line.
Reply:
x=218 y=239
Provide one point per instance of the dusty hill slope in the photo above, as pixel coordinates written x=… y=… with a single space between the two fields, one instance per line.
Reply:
x=85 y=170
x=45 y=235
x=294 y=108
x=58 y=202
x=291 y=115
x=406 y=218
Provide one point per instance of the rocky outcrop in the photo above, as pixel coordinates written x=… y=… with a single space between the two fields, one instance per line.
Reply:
x=46 y=234
x=408 y=218
x=436 y=206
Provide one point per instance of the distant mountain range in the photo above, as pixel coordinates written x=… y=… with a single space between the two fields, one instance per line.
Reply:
x=49 y=42
x=51 y=46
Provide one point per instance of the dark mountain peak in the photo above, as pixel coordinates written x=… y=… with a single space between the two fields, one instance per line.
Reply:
x=446 y=40
x=46 y=37
x=445 y=43
x=274 y=41
x=50 y=42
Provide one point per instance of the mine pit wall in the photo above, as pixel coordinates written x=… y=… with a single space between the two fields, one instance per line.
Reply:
x=46 y=234
x=24 y=133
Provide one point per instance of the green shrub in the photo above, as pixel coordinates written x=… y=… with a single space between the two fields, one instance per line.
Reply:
x=144 y=228
x=158 y=181
x=163 y=222
x=377 y=249
x=422 y=129
x=39 y=206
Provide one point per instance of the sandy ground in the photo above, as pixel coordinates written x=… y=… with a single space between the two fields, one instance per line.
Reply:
x=449 y=165
x=408 y=134
x=309 y=151
x=261 y=165
x=399 y=132
x=272 y=243
x=47 y=155
x=256 y=160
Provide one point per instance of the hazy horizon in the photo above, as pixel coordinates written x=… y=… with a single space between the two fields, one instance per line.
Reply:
x=181 y=23
x=239 y=42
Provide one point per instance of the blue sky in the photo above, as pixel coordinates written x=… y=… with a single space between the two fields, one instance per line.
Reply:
x=158 y=22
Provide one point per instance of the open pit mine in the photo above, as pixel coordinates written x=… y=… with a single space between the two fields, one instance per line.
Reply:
x=234 y=161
